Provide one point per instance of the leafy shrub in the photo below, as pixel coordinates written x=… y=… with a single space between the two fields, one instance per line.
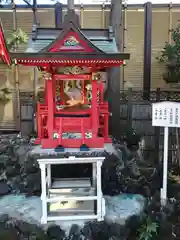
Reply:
x=170 y=58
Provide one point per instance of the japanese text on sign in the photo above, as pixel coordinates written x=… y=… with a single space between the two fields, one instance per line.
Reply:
x=166 y=114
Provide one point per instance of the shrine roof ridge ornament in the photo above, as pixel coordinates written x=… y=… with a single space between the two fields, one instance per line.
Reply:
x=71 y=30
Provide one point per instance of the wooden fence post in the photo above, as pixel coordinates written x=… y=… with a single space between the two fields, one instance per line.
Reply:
x=157 y=132
x=129 y=109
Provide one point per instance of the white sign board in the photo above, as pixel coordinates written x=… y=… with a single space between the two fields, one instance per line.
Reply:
x=166 y=114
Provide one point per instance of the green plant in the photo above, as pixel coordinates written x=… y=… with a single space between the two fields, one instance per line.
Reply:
x=170 y=57
x=147 y=230
x=40 y=94
x=174 y=177
x=4 y=95
x=17 y=38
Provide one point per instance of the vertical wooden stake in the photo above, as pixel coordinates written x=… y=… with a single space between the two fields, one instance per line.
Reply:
x=82 y=15
x=129 y=110
x=35 y=84
x=124 y=42
x=170 y=23
x=157 y=132
x=103 y=16
x=178 y=149
x=16 y=75
x=147 y=49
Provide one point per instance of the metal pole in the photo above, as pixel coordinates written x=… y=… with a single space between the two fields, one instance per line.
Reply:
x=165 y=168
x=70 y=4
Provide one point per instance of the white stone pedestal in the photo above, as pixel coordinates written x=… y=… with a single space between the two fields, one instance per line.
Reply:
x=45 y=166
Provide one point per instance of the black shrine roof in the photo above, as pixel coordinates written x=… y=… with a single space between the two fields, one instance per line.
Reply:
x=43 y=42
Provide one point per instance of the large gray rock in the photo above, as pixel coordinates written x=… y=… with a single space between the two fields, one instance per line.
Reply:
x=118 y=209
x=28 y=209
x=22 y=208
x=122 y=207
x=4 y=188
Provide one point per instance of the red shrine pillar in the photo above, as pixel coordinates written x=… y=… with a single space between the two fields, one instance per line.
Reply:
x=50 y=105
x=46 y=90
x=95 y=117
x=101 y=92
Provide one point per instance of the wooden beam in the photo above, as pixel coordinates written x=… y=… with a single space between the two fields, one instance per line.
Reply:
x=58 y=15
x=72 y=77
x=147 y=48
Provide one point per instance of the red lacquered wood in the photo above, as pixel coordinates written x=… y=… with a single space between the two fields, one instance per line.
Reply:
x=38 y=120
x=61 y=91
x=4 y=54
x=72 y=124
x=58 y=44
x=72 y=77
x=95 y=116
x=46 y=90
x=50 y=105
x=101 y=91
x=78 y=112
x=93 y=119
x=49 y=63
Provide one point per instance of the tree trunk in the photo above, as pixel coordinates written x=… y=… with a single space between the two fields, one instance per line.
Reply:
x=114 y=73
x=116 y=21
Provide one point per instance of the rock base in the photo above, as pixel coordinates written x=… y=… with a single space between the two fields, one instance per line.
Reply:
x=119 y=210
x=72 y=171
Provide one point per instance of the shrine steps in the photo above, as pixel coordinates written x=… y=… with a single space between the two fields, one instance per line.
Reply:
x=73 y=191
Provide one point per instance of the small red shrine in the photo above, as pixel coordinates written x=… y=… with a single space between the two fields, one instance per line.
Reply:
x=74 y=112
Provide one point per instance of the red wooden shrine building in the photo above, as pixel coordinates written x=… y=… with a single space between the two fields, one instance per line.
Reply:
x=74 y=113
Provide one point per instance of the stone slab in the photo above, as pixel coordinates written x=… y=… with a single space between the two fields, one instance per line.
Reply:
x=108 y=148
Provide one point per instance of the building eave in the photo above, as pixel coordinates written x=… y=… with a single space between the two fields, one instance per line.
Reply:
x=70 y=59
x=70 y=55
